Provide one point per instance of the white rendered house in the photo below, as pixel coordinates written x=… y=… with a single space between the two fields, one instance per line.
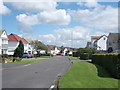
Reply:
x=100 y=42
x=3 y=42
x=13 y=43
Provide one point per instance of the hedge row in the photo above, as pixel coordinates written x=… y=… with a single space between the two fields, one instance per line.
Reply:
x=83 y=56
x=111 y=62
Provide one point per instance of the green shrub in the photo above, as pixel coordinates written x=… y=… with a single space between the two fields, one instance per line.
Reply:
x=84 y=56
x=111 y=62
x=85 y=53
x=5 y=56
x=76 y=54
x=18 y=52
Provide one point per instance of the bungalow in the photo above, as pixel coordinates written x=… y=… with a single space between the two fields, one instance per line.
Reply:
x=3 y=42
x=13 y=43
x=99 y=42
x=113 y=42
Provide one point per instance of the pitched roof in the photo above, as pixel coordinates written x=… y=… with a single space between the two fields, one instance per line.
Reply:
x=52 y=47
x=14 y=37
x=100 y=38
x=1 y=31
x=95 y=37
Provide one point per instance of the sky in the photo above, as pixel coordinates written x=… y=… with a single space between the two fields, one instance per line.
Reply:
x=59 y=23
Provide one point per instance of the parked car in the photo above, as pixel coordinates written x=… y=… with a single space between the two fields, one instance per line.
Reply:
x=27 y=55
x=59 y=54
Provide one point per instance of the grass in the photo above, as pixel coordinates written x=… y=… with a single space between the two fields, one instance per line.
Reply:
x=45 y=56
x=27 y=61
x=87 y=75
x=73 y=58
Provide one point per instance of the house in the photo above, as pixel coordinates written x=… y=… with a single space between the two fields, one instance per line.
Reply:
x=13 y=42
x=3 y=42
x=99 y=42
x=67 y=51
x=113 y=41
x=53 y=49
x=93 y=39
x=88 y=44
x=30 y=47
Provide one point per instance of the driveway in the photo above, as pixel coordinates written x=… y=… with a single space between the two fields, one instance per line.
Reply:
x=38 y=75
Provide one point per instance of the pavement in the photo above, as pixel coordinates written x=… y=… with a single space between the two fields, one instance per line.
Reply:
x=81 y=60
x=38 y=75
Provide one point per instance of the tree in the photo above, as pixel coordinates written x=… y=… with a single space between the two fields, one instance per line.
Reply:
x=18 y=52
x=39 y=45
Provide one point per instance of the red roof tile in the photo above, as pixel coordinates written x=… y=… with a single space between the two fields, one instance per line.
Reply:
x=14 y=37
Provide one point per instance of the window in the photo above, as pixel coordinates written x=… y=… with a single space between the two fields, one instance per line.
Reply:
x=104 y=38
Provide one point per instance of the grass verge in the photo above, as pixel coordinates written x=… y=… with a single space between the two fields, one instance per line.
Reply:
x=73 y=58
x=45 y=56
x=27 y=61
x=87 y=75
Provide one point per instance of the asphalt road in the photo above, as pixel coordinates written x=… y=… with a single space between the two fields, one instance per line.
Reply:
x=38 y=75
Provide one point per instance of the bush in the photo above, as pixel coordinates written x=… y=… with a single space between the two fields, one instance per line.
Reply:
x=111 y=62
x=85 y=53
x=4 y=56
x=75 y=54
x=84 y=56
x=18 y=52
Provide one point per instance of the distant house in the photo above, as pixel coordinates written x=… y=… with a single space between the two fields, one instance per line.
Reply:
x=99 y=42
x=30 y=47
x=13 y=43
x=88 y=44
x=53 y=49
x=3 y=42
x=67 y=51
x=113 y=41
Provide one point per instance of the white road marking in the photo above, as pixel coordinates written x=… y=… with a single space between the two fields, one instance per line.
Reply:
x=53 y=86
x=27 y=65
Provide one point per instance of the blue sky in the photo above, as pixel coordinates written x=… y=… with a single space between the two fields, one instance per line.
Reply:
x=60 y=23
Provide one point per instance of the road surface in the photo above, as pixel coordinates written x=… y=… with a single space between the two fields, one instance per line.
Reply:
x=38 y=75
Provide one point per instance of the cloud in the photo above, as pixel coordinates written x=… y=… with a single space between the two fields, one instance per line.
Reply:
x=57 y=17
x=4 y=9
x=72 y=37
x=104 y=18
x=24 y=29
x=87 y=3
x=49 y=5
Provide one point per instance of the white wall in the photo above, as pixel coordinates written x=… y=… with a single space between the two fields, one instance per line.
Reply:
x=0 y=46
x=65 y=50
x=4 y=41
x=92 y=43
x=28 y=47
x=102 y=43
x=11 y=47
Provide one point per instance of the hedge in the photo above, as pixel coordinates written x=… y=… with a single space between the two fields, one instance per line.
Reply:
x=84 y=56
x=110 y=62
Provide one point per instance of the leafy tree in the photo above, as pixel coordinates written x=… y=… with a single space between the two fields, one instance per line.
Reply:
x=18 y=52
x=39 y=45
x=86 y=50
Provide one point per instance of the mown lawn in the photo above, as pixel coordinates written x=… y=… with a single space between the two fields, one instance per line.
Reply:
x=27 y=61
x=87 y=75
x=73 y=58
